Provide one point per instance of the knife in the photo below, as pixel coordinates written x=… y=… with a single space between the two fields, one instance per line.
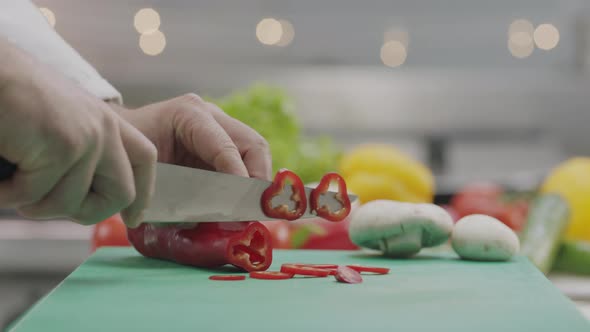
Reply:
x=184 y=194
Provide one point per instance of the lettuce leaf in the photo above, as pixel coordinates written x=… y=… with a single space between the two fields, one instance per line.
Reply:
x=269 y=110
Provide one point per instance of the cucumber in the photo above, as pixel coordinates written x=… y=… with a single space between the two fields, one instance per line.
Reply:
x=573 y=257
x=546 y=223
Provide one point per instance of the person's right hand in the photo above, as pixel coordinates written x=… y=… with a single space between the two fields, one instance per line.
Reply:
x=76 y=158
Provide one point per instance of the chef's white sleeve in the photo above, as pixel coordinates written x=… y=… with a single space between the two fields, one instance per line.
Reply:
x=23 y=24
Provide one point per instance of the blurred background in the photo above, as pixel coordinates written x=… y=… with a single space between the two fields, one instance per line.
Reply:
x=474 y=90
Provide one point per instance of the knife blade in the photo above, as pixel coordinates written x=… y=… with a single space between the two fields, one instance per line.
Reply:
x=184 y=194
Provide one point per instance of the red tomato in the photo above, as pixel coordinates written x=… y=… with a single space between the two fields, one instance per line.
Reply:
x=486 y=198
x=280 y=232
x=323 y=235
x=451 y=211
x=110 y=232
x=477 y=198
x=514 y=216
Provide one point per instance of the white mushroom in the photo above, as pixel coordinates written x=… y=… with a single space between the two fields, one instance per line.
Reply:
x=399 y=229
x=484 y=238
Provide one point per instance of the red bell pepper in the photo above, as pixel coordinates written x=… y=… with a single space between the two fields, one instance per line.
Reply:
x=298 y=196
x=246 y=245
x=324 y=211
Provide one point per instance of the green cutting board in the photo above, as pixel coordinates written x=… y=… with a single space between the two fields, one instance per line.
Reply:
x=118 y=290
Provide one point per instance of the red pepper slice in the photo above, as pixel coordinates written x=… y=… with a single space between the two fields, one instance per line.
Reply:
x=317 y=266
x=342 y=197
x=246 y=245
x=228 y=277
x=303 y=270
x=348 y=275
x=270 y=275
x=369 y=269
x=282 y=211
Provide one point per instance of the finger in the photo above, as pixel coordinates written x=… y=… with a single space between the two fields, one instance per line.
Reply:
x=253 y=147
x=29 y=186
x=259 y=163
x=205 y=138
x=66 y=197
x=113 y=186
x=143 y=156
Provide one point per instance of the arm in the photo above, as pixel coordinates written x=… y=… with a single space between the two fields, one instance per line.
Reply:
x=22 y=24
x=75 y=157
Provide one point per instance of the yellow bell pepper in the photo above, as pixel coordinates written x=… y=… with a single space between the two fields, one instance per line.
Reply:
x=379 y=171
x=571 y=179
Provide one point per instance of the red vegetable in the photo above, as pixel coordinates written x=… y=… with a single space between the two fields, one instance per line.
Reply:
x=324 y=211
x=489 y=199
x=318 y=266
x=280 y=232
x=282 y=211
x=370 y=269
x=348 y=275
x=242 y=244
x=304 y=270
x=270 y=275
x=110 y=232
x=228 y=277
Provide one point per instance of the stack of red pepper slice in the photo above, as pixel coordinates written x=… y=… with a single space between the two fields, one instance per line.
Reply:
x=350 y=274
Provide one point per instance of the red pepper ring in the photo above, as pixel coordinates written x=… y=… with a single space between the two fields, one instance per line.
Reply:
x=342 y=197
x=270 y=275
x=304 y=270
x=276 y=188
x=347 y=275
x=317 y=266
x=228 y=277
x=369 y=269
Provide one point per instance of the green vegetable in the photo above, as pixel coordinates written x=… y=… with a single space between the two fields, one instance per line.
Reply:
x=573 y=257
x=546 y=224
x=269 y=111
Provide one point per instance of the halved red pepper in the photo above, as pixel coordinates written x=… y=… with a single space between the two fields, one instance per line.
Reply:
x=324 y=211
x=298 y=196
x=246 y=245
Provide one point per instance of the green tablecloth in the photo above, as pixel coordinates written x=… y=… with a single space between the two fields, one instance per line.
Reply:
x=118 y=290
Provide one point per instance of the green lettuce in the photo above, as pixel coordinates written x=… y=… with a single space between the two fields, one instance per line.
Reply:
x=269 y=110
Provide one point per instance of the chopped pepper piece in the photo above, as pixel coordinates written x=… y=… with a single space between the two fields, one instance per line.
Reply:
x=324 y=211
x=348 y=275
x=232 y=277
x=298 y=196
x=270 y=275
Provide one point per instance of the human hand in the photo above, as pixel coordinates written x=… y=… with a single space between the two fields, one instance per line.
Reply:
x=190 y=132
x=76 y=157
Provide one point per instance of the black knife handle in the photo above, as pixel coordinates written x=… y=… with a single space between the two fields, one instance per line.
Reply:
x=7 y=169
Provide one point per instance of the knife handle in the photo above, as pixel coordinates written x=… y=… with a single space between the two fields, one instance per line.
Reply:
x=7 y=169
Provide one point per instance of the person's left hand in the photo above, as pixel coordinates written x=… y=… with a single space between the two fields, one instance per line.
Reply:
x=190 y=132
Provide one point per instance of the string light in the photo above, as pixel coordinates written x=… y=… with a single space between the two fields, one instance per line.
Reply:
x=152 y=43
x=146 y=20
x=269 y=31
x=393 y=53
x=288 y=33
x=546 y=36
